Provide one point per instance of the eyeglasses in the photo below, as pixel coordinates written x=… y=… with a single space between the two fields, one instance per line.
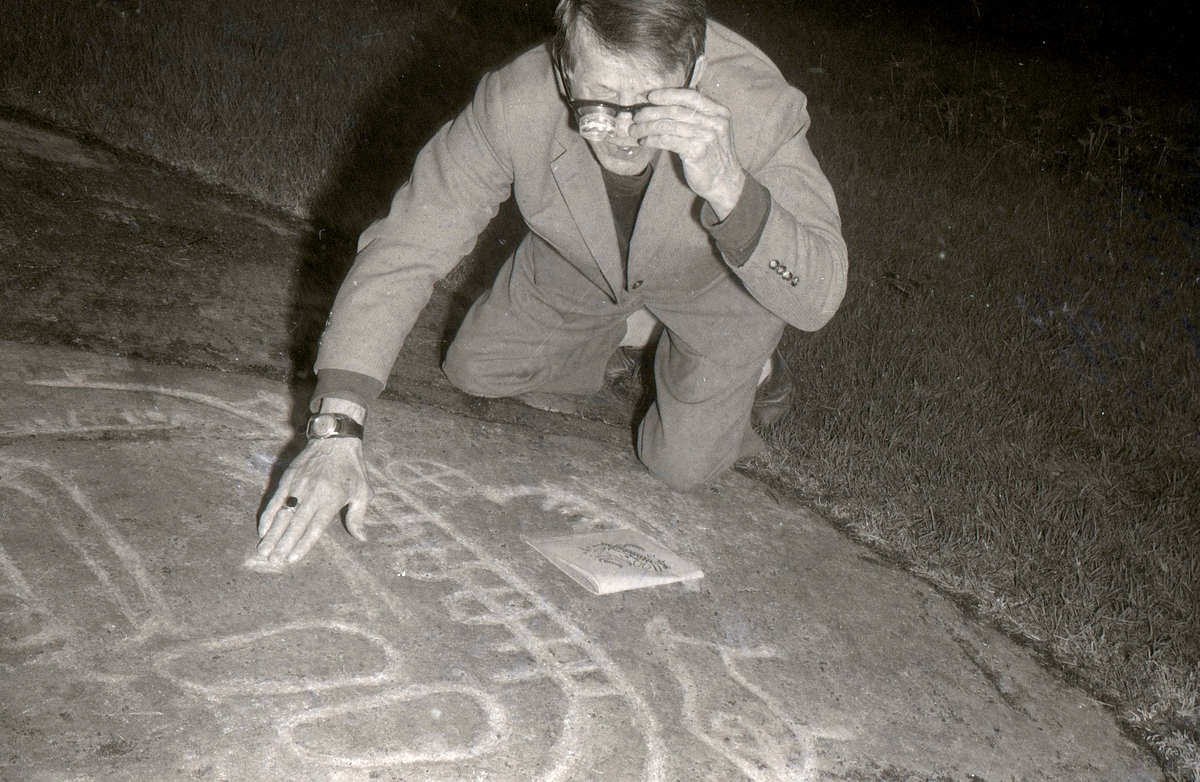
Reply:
x=597 y=119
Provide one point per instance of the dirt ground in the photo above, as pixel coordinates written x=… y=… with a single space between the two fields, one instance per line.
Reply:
x=155 y=333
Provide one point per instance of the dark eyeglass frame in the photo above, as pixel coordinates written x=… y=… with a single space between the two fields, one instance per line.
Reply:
x=616 y=108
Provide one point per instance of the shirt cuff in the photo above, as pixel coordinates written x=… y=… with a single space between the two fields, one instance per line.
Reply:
x=738 y=234
x=344 y=384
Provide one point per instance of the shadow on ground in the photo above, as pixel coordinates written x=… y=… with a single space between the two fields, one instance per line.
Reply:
x=390 y=126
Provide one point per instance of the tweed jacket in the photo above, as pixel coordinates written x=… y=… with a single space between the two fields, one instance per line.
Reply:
x=516 y=137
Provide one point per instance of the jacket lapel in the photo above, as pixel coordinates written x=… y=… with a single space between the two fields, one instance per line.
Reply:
x=578 y=177
x=668 y=199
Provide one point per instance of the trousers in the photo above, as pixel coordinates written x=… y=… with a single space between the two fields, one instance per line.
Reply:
x=518 y=338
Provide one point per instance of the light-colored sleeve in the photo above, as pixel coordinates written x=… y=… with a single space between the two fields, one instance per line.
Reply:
x=798 y=267
x=458 y=182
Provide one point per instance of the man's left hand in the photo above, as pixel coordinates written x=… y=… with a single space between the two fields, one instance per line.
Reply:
x=700 y=131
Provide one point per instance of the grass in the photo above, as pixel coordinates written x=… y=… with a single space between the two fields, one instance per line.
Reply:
x=300 y=106
x=1008 y=402
x=181 y=82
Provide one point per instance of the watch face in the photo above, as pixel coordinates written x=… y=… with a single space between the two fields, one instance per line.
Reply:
x=324 y=425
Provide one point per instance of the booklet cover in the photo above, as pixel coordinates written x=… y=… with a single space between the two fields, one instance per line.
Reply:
x=607 y=562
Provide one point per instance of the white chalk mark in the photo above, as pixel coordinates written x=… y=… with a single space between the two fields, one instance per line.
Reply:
x=440 y=477
x=76 y=542
x=53 y=629
x=13 y=574
x=598 y=677
x=224 y=687
x=567 y=751
x=559 y=651
x=260 y=564
x=494 y=733
x=362 y=582
x=160 y=614
x=566 y=503
x=47 y=429
x=271 y=423
x=757 y=735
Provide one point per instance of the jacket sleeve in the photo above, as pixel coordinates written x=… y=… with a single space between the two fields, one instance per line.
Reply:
x=798 y=267
x=458 y=182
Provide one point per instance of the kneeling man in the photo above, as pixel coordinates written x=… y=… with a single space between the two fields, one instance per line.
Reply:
x=661 y=165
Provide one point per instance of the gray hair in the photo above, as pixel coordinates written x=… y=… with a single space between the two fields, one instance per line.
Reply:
x=668 y=33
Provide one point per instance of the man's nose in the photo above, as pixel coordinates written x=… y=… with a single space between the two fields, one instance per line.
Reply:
x=622 y=123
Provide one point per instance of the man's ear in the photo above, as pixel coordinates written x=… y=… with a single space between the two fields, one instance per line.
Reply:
x=698 y=70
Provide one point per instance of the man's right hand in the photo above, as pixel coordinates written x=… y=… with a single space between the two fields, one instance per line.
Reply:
x=327 y=476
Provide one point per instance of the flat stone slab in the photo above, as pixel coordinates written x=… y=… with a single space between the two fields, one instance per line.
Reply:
x=136 y=643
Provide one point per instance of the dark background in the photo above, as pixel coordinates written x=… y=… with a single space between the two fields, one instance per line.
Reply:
x=1154 y=38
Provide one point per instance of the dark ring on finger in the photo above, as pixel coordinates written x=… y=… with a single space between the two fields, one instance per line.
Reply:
x=291 y=503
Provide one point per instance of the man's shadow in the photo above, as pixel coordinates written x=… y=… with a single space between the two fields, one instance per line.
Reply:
x=453 y=49
x=394 y=121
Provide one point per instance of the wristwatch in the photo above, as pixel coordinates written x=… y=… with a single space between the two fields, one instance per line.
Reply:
x=325 y=425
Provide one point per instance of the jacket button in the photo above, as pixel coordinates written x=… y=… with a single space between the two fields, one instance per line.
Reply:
x=637 y=284
x=774 y=264
x=795 y=281
x=787 y=275
x=781 y=270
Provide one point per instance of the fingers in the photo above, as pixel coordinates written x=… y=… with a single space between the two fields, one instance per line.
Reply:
x=714 y=132
x=282 y=521
x=356 y=513
x=683 y=106
x=356 y=521
x=326 y=477
x=294 y=550
x=687 y=98
x=289 y=525
x=295 y=532
x=700 y=131
x=704 y=153
x=281 y=509
x=686 y=141
x=286 y=542
x=266 y=519
x=692 y=128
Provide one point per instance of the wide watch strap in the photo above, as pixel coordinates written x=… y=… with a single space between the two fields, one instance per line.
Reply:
x=325 y=425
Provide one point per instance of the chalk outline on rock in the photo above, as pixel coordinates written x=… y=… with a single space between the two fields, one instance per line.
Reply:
x=702 y=723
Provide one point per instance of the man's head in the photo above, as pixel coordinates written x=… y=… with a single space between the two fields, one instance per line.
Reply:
x=617 y=51
x=667 y=33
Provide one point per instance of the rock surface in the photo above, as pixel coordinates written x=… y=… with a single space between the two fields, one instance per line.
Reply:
x=139 y=640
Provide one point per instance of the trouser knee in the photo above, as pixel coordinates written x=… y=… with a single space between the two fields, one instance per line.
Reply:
x=685 y=475
x=683 y=469
x=464 y=368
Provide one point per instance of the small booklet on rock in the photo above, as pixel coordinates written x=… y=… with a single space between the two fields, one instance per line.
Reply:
x=607 y=562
